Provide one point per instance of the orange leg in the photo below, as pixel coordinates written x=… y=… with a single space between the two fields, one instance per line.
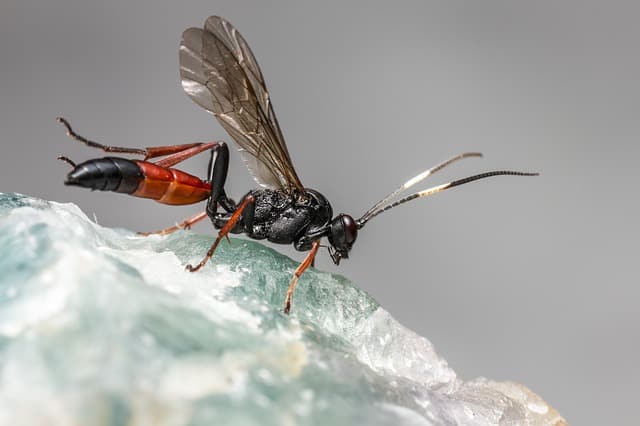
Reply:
x=181 y=153
x=299 y=271
x=93 y=144
x=235 y=217
x=185 y=224
x=175 y=153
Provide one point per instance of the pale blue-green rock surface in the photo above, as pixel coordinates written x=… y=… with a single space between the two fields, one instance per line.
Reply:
x=104 y=327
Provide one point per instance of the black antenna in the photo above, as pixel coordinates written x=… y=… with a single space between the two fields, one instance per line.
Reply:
x=417 y=179
x=367 y=217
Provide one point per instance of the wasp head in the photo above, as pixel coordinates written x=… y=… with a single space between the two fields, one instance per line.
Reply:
x=343 y=232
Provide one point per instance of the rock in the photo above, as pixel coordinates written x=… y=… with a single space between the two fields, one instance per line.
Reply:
x=103 y=327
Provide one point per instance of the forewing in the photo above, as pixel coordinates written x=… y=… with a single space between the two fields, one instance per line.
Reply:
x=220 y=74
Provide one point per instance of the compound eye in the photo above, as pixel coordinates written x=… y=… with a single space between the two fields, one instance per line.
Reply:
x=350 y=229
x=344 y=231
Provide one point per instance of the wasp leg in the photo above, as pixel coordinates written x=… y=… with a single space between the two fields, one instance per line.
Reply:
x=217 y=175
x=185 y=224
x=93 y=144
x=247 y=203
x=175 y=153
x=299 y=271
x=67 y=160
x=178 y=153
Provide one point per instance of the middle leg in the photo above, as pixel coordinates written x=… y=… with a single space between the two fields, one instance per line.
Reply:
x=247 y=203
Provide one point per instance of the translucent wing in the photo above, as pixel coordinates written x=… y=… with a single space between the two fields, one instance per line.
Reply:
x=220 y=74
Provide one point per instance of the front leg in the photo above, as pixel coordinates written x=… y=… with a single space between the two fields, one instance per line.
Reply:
x=306 y=241
x=299 y=271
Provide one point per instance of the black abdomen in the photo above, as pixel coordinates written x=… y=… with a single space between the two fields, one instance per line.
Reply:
x=106 y=174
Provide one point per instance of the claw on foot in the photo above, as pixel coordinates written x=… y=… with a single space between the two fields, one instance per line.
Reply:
x=192 y=268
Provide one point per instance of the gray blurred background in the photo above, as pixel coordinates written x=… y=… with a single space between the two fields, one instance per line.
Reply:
x=526 y=279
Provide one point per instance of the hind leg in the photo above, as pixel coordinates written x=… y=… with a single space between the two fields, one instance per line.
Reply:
x=175 y=153
x=185 y=224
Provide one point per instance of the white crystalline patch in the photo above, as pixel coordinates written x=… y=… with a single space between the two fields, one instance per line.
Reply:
x=407 y=416
x=194 y=378
x=69 y=208
x=197 y=377
x=391 y=349
x=489 y=402
x=204 y=289
x=47 y=298
x=294 y=359
x=538 y=407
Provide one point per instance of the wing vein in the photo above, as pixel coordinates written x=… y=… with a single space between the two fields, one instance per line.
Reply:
x=220 y=73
